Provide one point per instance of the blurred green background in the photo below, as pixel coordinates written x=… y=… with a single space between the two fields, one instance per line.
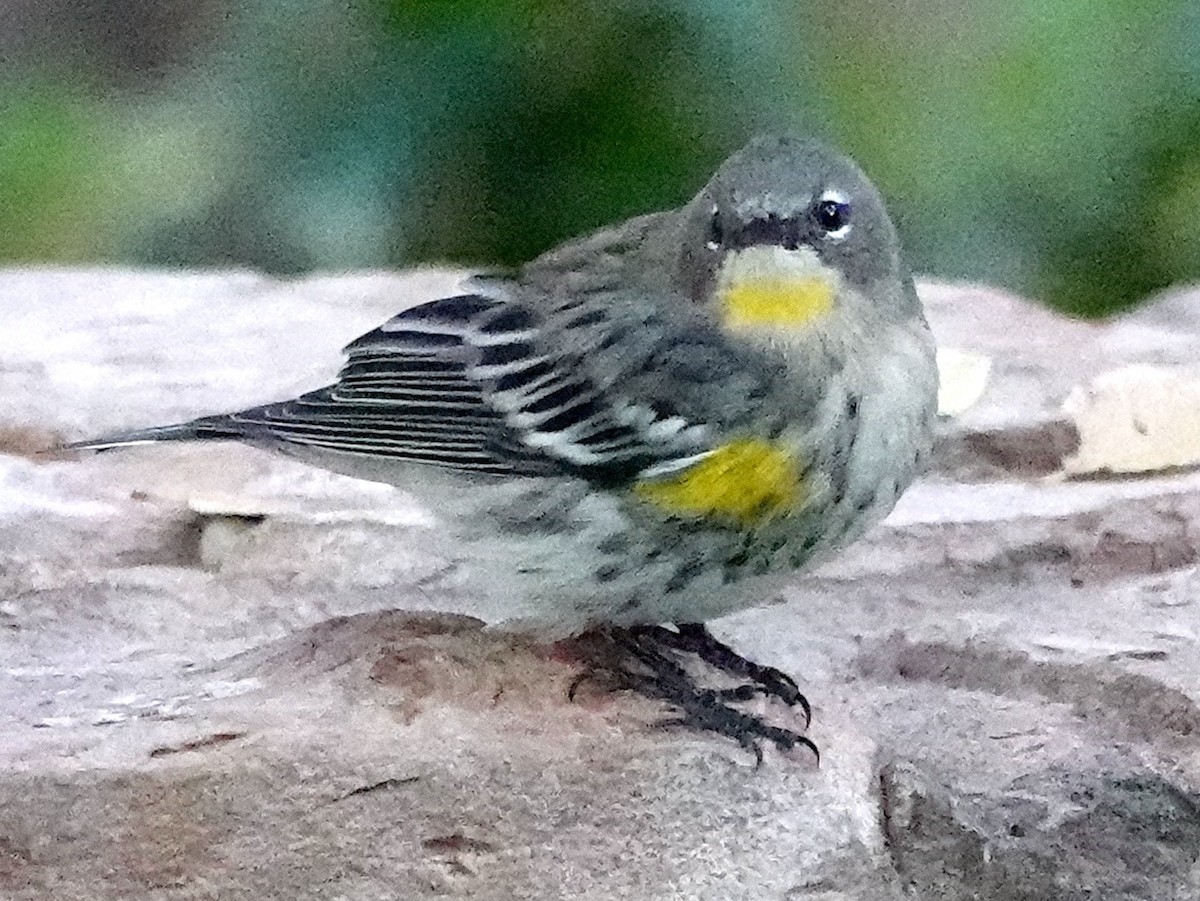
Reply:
x=1052 y=146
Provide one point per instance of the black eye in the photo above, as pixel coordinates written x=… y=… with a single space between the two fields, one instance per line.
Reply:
x=832 y=216
x=715 y=234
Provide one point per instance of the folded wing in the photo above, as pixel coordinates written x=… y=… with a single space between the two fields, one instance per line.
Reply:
x=469 y=382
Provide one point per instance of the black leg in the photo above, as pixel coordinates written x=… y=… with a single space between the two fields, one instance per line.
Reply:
x=696 y=638
x=645 y=659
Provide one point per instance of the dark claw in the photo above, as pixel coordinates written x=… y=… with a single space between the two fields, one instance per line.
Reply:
x=587 y=675
x=642 y=659
x=748 y=731
x=695 y=638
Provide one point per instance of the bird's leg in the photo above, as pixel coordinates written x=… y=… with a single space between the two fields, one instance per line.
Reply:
x=695 y=638
x=639 y=659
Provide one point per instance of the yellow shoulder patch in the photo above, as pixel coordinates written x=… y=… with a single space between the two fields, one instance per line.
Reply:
x=747 y=481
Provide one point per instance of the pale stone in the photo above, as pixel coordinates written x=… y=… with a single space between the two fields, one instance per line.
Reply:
x=223 y=676
x=1136 y=419
x=962 y=379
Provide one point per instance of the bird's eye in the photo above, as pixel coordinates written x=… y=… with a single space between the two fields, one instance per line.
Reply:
x=832 y=214
x=715 y=235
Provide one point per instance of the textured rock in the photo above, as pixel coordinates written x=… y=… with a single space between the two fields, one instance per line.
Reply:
x=1070 y=395
x=221 y=677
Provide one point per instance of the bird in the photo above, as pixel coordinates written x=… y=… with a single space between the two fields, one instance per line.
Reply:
x=651 y=426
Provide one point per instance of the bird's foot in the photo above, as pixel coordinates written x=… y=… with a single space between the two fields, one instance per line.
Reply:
x=766 y=680
x=649 y=661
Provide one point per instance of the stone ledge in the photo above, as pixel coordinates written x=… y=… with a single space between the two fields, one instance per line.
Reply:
x=205 y=695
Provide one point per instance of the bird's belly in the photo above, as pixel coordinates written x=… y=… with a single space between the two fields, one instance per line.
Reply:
x=556 y=556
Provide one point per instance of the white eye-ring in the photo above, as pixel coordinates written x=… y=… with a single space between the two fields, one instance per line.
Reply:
x=831 y=215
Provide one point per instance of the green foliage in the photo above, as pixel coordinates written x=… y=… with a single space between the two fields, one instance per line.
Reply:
x=52 y=163
x=1049 y=145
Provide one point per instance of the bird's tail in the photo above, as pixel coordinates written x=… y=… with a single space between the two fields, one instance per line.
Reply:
x=197 y=430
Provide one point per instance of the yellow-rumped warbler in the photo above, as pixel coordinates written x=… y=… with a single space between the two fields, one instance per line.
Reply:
x=653 y=424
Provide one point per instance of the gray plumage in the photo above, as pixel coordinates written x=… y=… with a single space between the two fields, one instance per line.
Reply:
x=527 y=410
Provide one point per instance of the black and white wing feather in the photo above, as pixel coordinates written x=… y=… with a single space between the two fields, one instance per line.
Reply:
x=473 y=383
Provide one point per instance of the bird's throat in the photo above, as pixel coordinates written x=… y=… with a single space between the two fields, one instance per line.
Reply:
x=768 y=287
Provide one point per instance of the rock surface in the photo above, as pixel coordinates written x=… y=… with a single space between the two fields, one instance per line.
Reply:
x=222 y=678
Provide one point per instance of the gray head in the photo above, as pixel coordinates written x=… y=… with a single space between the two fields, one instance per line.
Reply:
x=793 y=197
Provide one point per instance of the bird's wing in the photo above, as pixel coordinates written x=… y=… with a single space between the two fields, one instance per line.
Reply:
x=475 y=383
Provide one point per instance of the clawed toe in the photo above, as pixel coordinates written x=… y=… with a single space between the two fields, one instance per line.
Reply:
x=646 y=659
x=748 y=731
x=762 y=680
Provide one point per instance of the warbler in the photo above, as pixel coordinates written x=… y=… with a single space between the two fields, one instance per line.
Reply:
x=658 y=423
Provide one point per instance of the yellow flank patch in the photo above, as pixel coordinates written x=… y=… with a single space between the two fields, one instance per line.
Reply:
x=746 y=481
x=777 y=301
